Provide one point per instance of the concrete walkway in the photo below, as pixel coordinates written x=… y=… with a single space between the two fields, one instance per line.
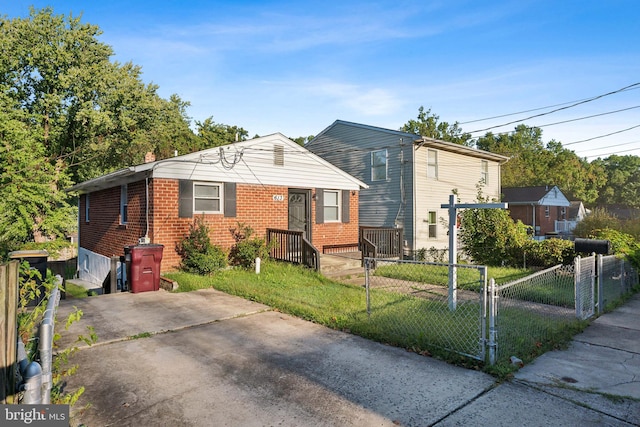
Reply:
x=205 y=358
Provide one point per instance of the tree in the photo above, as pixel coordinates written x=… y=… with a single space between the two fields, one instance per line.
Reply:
x=531 y=162
x=490 y=236
x=302 y=140
x=32 y=205
x=212 y=134
x=70 y=114
x=428 y=125
x=622 y=184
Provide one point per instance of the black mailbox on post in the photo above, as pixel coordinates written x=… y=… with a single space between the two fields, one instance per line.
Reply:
x=591 y=246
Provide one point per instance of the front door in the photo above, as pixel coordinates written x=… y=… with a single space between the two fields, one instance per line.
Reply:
x=299 y=212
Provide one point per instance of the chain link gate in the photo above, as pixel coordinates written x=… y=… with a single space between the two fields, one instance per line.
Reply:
x=409 y=301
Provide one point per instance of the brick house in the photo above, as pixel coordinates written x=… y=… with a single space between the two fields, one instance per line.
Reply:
x=266 y=182
x=540 y=207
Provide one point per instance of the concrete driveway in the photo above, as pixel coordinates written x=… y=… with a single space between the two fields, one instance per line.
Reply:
x=205 y=358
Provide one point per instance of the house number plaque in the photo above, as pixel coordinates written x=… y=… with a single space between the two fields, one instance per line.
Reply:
x=278 y=198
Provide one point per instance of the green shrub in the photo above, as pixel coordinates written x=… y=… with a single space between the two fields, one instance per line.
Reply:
x=599 y=219
x=246 y=248
x=548 y=252
x=199 y=256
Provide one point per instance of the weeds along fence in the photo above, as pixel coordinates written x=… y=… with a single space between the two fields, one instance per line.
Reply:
x=21 y=380
x=407 y=304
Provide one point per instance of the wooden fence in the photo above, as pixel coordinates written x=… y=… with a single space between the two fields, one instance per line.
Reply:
x=291 y=246
x=387 y=241
x=9 y=274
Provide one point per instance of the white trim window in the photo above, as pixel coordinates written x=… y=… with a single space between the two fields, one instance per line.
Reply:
x=484 y=172
x=433 y=225
x=124 y=204
x=379 y=165
x=207 y=198
x=331 y=206
x=547 y=212
x=432 y=164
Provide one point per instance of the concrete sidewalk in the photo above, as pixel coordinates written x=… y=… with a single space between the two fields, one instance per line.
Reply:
x=206 y=358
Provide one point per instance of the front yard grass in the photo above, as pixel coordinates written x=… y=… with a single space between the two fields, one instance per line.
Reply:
x=417 y=324
x=468 y=279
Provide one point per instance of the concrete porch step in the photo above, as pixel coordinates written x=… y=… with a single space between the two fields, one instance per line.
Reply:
x=339 y=264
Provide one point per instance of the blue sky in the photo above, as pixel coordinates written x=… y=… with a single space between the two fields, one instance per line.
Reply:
x=295 y=66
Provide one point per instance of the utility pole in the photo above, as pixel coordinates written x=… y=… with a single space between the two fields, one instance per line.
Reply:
x=453 y=240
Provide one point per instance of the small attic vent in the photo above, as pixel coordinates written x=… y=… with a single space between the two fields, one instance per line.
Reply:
x=278 y=155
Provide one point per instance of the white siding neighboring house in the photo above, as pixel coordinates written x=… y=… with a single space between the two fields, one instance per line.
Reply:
x=575 y=213
x=409 y=177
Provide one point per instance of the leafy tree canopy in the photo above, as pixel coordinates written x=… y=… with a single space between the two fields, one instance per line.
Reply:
x=67 y=114
x=622 y=183
x=212 y=134
x=531 y=162
x=429 y=125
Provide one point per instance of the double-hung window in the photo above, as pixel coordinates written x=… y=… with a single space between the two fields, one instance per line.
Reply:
x=331 y=205
x=379 y=165
x=432 y=164
x=207 y=198
x=433 y=226
x=484 y=172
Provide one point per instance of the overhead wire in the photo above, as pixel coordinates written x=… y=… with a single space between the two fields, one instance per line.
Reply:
x=584 y=101
x=533 y=109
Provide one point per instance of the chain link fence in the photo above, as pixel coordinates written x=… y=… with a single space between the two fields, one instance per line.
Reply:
x=525 y=315
x=413 y=305
x=616 y=277
x=410 y=301
x=585 y=291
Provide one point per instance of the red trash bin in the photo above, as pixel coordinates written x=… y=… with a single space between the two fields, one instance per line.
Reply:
x=145 y=267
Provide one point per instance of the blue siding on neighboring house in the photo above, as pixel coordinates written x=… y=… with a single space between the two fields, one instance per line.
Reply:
x=408 y=198
x=349 y=146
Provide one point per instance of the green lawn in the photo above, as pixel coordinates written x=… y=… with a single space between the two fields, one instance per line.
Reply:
x=468 y=278
x=407 y=321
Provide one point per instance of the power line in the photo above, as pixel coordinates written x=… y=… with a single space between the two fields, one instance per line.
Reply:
x=532 y=109
x=559 y=109
x=614 y=145
x=611 y=154
x=601 y=136
x=588 y=117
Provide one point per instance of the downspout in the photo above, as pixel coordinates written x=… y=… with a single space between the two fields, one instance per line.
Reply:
x=533 y=206
x=146 y=196
x=414 y=224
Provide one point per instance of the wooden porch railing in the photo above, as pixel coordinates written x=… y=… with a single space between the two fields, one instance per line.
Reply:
x=291 y=246
x=387 y=241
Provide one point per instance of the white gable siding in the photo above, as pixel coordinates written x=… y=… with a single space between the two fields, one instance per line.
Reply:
x=252 y=162
x=554 y=198
x=457 y=172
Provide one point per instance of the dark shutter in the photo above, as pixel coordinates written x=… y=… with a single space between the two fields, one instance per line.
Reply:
x=230 y=199
x=319 y=206
x=185 y=199
x=345 y=205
